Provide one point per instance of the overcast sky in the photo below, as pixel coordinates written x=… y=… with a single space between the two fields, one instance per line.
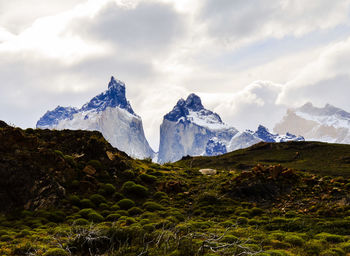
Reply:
x=249 y=60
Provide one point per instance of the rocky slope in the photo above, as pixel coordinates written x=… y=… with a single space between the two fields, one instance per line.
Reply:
x=37 y=166
x=111 y=114
x=327 y=124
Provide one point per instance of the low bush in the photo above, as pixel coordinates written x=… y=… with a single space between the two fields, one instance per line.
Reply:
x=107 y=189
x=147 y=178
x=113 y=217
x=153 y=206
x=95 y=217
x=330 y=237
x=96 y=164
x=135 y=211
x=294 y=240
x=86 y=203
x=56 y=252
x=313 y=247
x=97 y=199
x=126 y=204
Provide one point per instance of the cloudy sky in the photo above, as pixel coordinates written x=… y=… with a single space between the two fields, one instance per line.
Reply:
x=248 y=60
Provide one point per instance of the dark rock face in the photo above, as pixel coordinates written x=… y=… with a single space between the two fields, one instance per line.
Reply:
x=113 y=97
x=54 y=116
x=182 y=107
x=215 y=147
x=37 y=166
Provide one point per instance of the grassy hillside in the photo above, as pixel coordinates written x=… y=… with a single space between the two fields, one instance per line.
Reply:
x=317 y=157
x=71 y=193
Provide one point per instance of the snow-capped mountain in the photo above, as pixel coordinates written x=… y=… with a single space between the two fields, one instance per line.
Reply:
x=111 y=114
x=328 y=124
x=190 y=129
x=248 y=138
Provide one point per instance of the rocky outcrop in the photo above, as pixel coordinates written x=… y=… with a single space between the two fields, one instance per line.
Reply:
x=38 y=166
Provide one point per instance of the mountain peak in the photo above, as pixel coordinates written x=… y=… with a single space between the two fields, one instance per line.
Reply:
x=114 y=83
x=264 y=134
x=113 y=97
x=194 y=102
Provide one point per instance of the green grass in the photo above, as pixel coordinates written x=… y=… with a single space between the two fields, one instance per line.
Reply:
x=316 y=157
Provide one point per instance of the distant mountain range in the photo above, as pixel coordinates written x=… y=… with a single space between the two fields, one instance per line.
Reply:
x=327 y=124
x=191 y=129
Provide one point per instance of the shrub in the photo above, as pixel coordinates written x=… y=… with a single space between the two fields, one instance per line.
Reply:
x=86 y=212
x=130 y=221
x=103 y=206
x=96 y=164
x=128 y=174
x=276 y=253
x=333 y=252
x=160 y=195
x=345 y=246
x=229 y=239
x=95 y=217
x=107 y=189
x=113 y=217
x=127 y=186
x=126 y=204
x=74 y=199
x=81 y=222
x=153 y=206
x=139 y=190
x=134 y=211
x=56 y=216
x=294 y=240
x=5 y=238
x=209 y=198
x=97 y=199
x=56 y=252
x=122 y=212
x=118 y=196
x=115 y=207
x=313 y=247
x=148 y=178
x=242 y=221
x=256 y=211
x=86 y=203
x=330 y=237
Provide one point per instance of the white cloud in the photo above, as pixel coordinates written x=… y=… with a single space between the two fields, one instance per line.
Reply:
x=238 y=22
x=324 y=80
x=65 y=52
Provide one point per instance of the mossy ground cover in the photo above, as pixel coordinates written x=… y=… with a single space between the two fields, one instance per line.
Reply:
x=113 y=205
x=186 y=213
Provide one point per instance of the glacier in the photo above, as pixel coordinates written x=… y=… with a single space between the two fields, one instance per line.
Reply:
x=111 y=114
